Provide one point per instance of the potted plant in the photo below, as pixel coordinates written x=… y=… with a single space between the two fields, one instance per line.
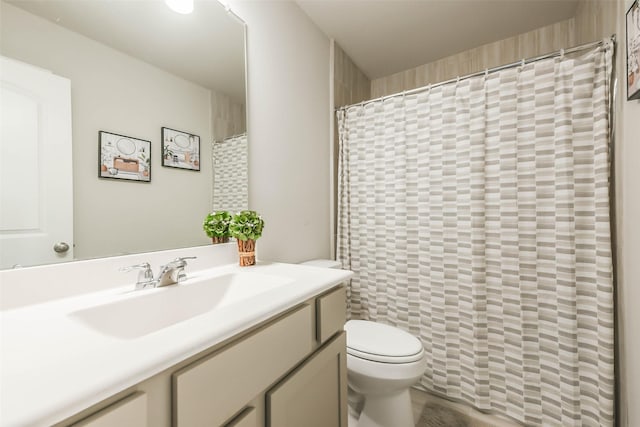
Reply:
x=246 y=227
x=216 y=225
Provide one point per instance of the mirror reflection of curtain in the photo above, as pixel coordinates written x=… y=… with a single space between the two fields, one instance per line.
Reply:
x=230 y=174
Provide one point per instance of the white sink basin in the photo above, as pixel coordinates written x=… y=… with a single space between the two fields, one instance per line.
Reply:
x=149 y=310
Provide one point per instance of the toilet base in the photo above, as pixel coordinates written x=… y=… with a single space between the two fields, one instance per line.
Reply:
x=387 y=411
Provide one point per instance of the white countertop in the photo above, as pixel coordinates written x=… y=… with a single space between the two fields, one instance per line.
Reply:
x=52 y=366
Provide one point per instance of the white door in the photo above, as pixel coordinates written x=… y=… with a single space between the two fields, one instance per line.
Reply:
x=36 y=187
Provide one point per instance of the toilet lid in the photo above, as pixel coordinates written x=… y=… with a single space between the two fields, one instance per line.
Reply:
x=381 y=343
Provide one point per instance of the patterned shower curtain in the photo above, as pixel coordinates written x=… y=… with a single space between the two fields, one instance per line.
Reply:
x=475 y=215
x=231 y=174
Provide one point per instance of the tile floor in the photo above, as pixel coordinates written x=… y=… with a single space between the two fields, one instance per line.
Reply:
x=434 y=411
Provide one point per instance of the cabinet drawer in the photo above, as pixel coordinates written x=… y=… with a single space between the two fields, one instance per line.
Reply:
x=209 y=391
x=130 y=411
x=331 y=313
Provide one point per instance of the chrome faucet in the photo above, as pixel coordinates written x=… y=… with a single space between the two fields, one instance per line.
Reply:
x=172 y=272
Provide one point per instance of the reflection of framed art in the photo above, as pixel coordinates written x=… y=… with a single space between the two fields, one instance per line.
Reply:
x=180 y=149
x=633 y=51
x=123 y=157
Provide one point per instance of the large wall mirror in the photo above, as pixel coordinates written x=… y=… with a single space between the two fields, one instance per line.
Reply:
x=133 y=67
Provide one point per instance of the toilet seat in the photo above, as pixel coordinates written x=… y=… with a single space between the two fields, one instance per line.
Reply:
x=381 y=343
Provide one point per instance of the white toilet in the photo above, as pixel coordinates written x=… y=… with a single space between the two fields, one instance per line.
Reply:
x=383 y=362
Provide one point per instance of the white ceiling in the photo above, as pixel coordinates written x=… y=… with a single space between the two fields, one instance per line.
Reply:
x=206 y=47
x=387 y=36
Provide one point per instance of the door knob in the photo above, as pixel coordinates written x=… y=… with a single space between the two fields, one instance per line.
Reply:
x=61 y=247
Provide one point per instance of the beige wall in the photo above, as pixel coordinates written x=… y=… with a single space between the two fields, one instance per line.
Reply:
x=288 y=126
x=114 y=92
x=595 y=20
x=533 y=43
x=628 y=177
x=350 y=86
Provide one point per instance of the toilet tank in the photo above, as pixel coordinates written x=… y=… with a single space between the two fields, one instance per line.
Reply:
x=325 y=263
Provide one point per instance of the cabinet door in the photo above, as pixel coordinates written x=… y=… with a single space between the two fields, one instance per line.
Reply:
x=315 y=393
x=130 y=411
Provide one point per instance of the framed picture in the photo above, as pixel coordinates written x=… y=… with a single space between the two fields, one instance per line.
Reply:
x=123 y=157
x=180 y=149
x=633 y=51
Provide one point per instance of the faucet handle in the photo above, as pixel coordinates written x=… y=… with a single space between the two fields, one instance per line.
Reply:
x=142 y=266
x=179 y=262
x=182 y=263
x=145 y=276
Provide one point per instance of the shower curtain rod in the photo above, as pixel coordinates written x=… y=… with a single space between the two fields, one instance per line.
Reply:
x=522 y=62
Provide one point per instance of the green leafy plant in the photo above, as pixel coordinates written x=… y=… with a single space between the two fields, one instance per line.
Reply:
x=216 y=224
x=246 y=225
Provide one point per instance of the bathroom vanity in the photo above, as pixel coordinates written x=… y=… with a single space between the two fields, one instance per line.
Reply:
x=230 y=346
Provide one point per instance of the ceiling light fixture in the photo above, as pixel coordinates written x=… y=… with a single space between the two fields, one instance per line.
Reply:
x=180 y=6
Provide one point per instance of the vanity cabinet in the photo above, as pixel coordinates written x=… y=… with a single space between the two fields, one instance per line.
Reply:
x=287 y=371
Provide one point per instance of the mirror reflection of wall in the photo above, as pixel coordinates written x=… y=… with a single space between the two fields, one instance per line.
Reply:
x=93 y=45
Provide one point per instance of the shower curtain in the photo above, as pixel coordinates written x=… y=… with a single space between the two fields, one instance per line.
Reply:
x=230 y=174
x=475 y=215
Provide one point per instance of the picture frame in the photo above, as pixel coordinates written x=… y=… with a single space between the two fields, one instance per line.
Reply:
x=123 y=157
x=633 y=51
x=180 y=149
